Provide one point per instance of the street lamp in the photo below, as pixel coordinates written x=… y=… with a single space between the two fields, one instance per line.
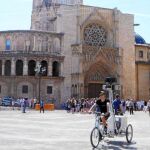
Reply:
x=40 y=70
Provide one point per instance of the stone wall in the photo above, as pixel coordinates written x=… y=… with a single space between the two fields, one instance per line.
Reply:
x=31 y=41
x=12 y=86
x=143 y=81
x=125 y=42
x=143 y=72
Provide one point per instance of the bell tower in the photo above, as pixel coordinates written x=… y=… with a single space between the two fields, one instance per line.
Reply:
x=48 y=3
x=44 y=13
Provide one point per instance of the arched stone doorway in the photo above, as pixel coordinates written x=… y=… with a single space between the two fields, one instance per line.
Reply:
x=31 y=68
x=103 y=66
x=19 y=68
x=94 y=83
x=94 y=80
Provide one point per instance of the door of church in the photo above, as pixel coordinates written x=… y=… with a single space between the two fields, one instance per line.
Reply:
x=94 y=90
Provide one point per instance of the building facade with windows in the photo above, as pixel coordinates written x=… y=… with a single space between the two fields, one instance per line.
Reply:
x=79 y=46
x=142 y=51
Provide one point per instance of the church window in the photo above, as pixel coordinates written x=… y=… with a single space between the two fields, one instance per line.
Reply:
x=56 y=69
x=141 y=54
x=147 y=55
x=94 y=35
x=27 y=45
x=8 y=44
x=25 y=89
x=49 y=89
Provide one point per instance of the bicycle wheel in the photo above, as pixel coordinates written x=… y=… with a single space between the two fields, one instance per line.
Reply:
x=129 y=133
x=95 y=137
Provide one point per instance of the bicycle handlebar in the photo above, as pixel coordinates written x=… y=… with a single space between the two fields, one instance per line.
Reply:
x=98 y=113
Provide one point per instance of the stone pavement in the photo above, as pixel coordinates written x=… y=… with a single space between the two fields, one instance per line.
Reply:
x=59 y=130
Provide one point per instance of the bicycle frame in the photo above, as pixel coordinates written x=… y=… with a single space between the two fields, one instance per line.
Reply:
x=99 y=124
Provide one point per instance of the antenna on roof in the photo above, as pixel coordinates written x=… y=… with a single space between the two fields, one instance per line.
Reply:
x=136 y=24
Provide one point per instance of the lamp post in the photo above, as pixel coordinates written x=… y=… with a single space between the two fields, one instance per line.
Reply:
x=39 y=72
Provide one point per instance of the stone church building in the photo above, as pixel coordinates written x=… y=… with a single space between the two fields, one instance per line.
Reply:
x=79 y=46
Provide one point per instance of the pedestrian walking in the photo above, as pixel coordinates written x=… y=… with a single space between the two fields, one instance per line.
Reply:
x=145 y=106
x=123 y=106
x=35 y=101
x=24 y=105
x=41 y=106
x=13 y=103
x=148 y=107
x=131 y=105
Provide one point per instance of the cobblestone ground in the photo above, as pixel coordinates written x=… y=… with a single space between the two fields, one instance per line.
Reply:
x=59 y=130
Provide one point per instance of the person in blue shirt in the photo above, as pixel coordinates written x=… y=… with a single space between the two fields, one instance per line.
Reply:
x=117 y=105
x=41 y=105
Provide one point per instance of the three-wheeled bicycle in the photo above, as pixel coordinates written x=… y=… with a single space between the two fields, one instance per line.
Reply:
x=116 y=126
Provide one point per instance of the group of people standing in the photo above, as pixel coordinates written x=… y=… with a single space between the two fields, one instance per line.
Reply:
x=30 y=103
x=78 y=105
x=120 y=106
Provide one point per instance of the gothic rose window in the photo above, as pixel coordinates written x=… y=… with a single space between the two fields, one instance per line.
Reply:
x=94 y=35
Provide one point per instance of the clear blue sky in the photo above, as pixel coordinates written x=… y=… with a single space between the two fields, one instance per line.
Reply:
x=16 y=14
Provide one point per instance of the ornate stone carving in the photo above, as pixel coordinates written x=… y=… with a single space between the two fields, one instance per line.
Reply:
x=76 y=49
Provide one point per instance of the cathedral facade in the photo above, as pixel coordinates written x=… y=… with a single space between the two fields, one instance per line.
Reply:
x=78 y=46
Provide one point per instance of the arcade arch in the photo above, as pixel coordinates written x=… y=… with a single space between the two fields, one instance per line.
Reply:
x=31 y=68
x=44 y=65
x=7 y=68
x=19 y=68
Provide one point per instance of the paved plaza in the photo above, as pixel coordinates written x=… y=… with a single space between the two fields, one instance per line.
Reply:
x=59 y=130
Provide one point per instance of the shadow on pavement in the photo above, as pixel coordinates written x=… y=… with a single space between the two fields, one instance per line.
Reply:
x=116 y=145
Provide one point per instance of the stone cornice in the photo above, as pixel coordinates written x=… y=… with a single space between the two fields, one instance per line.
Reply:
x=32 y=77
x=143 y=62
x=33 y=31
x=32 y=54
x=142 y=45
